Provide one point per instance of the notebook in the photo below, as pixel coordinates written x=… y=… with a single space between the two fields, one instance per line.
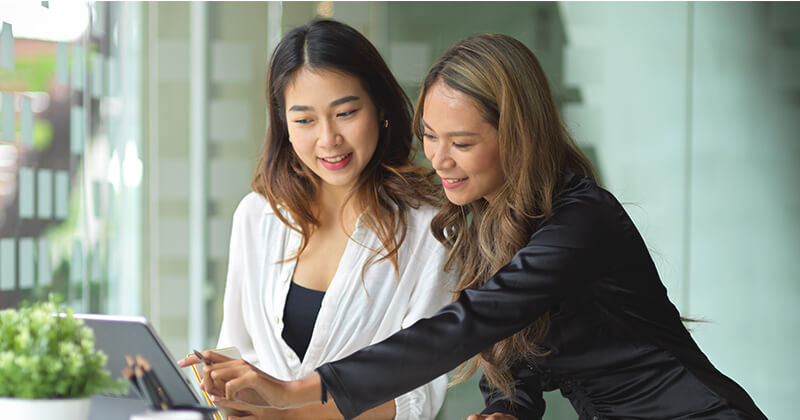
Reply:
x=231 y=352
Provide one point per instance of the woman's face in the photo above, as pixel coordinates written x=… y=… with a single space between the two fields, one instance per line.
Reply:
x=333 y=125
x=463 y=148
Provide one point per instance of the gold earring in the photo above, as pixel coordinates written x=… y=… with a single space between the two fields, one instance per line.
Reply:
x=385 y=123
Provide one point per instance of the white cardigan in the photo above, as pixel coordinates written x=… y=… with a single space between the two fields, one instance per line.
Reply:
x=355 y=311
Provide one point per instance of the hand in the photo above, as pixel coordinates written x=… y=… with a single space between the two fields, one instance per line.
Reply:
x=236 y=379
x=493 y=416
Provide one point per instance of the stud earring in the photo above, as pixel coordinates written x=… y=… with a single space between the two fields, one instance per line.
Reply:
x=385 y=123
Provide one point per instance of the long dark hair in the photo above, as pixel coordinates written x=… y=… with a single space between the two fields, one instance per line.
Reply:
x=389 y=184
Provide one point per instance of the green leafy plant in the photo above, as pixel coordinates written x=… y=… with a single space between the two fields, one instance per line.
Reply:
x=43 y=355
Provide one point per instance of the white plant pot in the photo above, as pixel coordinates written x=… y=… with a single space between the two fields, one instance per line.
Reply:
x=45 y=409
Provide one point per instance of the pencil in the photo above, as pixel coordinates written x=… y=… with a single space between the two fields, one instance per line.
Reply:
x=161 y=396
x=148 y=393
x=128 y=374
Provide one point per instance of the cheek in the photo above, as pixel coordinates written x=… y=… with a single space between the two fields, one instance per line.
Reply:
x=427 y=149
x=365 y=136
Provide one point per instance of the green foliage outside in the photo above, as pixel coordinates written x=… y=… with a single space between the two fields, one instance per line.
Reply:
x=47 y=356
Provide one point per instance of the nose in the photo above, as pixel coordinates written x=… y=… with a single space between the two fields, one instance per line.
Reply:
x=329 y=136
x=438 y=153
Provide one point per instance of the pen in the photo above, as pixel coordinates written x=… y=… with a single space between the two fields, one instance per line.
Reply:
x=206 y=360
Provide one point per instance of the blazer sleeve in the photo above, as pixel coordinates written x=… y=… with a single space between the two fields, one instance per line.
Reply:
x=526 y=402
x=563 y=255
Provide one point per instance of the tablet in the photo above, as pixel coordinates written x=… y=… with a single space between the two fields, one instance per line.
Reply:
x=117 y=336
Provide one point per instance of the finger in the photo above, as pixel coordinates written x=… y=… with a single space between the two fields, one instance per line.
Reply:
x=188 y=361
x=216 y=357
x=242 y=388
x=233 y=404
x=215 y=376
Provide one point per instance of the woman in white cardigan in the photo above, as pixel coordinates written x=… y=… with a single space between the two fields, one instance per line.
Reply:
x=333 y=250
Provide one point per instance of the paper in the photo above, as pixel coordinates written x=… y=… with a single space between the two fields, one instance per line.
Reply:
x=27 y=121
x=26 y=193
x=44 y=189
x=62 y=194
x=76 y=132
x=76 y=264
x=8 y=263
x=45 y=275
x=62 y=71
x=78 y=61
x=7 y=46
x=25 y=263
x=8 y=121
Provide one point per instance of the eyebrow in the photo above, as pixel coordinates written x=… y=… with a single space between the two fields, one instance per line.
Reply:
x=337 y=102
x=452 y=133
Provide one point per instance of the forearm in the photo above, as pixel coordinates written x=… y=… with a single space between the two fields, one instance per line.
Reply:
x=329 y=411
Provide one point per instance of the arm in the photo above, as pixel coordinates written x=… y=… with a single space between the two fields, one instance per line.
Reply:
x=315 y=411
x=565 y=254
x=233 y=331
x=432 y=289
x=527 y=401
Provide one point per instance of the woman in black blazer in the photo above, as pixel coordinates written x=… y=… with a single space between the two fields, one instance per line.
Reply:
x=575 y=302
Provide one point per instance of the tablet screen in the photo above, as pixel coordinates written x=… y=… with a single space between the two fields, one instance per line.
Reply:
x=118 y=336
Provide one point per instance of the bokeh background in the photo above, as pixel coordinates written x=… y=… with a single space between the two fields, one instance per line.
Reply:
x=129 y=131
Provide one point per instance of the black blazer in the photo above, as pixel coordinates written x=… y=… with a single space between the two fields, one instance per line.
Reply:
x=618 y=347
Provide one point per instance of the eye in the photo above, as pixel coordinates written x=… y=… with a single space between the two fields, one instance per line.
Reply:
x=427 y=136
x=303 y=121
x=347 y=113
x=461 y=145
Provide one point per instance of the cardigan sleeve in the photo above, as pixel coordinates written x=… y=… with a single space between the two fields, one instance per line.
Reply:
x=563 y=255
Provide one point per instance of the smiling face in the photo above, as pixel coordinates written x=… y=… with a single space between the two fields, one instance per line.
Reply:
x=332 y=124
x=463 y=148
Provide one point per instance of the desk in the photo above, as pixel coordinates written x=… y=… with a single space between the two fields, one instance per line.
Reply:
x=104 y=407
x=115 y=408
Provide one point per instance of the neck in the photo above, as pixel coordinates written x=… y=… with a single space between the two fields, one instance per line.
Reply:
x=332 y=207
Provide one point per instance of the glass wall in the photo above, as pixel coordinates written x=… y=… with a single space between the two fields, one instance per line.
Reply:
x=70 y=169
x=127 y=143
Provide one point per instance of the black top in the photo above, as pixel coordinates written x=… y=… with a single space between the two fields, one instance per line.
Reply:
x=618 y=347
x=299 y=316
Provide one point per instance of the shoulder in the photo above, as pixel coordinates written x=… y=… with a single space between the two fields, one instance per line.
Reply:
x=419 y=223
x=251 y=208
x=585 y=210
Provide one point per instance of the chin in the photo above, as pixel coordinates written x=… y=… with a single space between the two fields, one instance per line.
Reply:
x=458 y=199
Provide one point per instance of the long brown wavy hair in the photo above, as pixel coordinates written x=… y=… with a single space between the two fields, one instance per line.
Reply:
x=511 y=92
x=389 y=184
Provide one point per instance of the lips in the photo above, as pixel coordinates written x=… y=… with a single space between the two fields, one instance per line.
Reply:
x=336 y=162
x=453 y=182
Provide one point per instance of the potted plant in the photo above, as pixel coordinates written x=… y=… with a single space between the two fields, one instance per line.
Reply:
x=48 y=364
